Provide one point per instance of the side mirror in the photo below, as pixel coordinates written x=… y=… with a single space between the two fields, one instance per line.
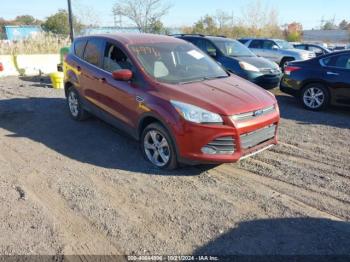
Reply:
x=122 y=75
x=212 y=53
x=275 y=47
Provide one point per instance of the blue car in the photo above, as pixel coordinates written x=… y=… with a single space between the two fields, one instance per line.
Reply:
x=238 y=59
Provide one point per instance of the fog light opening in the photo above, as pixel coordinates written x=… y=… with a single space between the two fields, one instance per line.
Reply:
x=208 y=150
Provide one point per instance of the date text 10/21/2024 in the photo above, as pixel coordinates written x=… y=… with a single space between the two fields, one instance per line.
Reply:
x=172 y=258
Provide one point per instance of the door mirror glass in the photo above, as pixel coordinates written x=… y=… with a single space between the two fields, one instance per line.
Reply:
x=122 y=75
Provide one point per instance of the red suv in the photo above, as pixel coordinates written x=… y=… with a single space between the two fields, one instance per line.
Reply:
x=178 y=102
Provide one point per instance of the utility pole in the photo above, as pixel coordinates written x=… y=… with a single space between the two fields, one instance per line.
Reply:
x=70 y=16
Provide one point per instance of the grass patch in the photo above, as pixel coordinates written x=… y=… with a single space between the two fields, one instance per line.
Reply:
x=39 y=44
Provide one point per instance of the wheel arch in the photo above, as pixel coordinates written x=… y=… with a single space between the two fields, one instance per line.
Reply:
x=285 y=58
x=314 y=81
x=149 y=118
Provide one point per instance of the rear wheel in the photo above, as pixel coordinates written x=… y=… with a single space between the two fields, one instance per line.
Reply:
x=158 y=147
x=315 y=97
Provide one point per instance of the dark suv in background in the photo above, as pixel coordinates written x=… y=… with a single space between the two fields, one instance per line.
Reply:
x=238 y=59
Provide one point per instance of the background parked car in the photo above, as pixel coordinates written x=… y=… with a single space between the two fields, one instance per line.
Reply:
x=277 y=50
x=319 y=82
x=317 y=49
x=238 y=59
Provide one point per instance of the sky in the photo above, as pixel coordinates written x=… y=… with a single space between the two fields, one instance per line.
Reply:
x=186 y=12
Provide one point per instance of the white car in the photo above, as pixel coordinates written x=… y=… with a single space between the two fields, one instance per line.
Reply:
x=277 y=50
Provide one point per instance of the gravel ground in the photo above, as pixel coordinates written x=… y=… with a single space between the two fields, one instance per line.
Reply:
x=84 y=188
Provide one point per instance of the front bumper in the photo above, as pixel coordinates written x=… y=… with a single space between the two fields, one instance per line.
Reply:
x=268 y=81
x=263 y=79
x=194 y=137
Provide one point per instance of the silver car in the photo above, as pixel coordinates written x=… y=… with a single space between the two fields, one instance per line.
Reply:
x=277 y=50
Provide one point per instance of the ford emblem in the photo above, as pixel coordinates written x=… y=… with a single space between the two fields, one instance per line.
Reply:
x=258 y=113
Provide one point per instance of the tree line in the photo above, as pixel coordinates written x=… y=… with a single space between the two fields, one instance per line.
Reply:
x=255 y=20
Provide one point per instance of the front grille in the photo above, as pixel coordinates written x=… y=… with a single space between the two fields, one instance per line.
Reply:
x=253 y=114
x=223 y=145
x=257 y=137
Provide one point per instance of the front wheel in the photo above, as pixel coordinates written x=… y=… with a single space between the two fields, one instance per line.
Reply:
x=315 y=97
x=158 y=147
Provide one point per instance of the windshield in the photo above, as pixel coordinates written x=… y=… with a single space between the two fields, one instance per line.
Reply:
x=233 y=48
x=284 y=44
x=176 y=63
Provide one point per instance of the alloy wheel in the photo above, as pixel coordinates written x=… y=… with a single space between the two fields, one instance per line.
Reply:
x=73 y=104
x=157 y=148
x=314 y=97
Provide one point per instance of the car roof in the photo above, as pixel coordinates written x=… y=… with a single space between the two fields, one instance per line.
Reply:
x=135 y=38
x=213 y=37
x=260 y=38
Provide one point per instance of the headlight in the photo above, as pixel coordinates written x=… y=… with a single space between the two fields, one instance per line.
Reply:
x=196 y=114
x=248 y=67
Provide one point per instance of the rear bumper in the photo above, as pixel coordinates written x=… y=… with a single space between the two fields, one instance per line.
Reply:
x=195 y=137
x=288 y=86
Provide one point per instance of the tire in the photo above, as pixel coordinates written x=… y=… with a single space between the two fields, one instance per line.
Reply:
x=160 y=157
x=315 y=97
x=76 y=110
x=285 y=61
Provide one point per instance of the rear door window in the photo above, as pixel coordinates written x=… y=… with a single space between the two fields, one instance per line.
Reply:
x=256 y=44
x=115 y=59
x=79 y=47
x=339 y=61
x=93 y=51
x=267 y=44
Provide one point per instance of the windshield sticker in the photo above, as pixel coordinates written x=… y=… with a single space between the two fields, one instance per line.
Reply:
x=195 y=54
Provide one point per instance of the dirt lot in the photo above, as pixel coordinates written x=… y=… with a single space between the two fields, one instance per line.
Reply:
x=84 y=188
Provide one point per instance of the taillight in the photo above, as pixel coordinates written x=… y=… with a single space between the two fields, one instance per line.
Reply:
x=1 y=67
x=289 y=69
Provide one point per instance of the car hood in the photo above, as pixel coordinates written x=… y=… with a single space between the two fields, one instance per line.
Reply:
x=228 y=96
x=259 y=62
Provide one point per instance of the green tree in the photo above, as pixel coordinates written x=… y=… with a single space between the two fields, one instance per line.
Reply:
x=294 y=37
x=344 y=25
x=59 y=24
x=26 y=20
x=157 y=27
x=329 y=25
x=206 y=25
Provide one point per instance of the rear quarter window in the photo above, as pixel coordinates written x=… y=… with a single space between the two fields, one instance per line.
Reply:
x=79 y=47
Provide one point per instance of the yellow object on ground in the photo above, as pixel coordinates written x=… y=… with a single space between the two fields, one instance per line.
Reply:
x=57 y=80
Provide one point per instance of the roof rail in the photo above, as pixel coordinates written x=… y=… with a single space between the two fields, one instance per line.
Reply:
x=187 y=34
x=201 y=35
x=223 y=36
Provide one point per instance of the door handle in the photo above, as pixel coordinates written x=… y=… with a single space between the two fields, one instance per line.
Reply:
x=332 y=74
x=102 y=80
x=139 y=99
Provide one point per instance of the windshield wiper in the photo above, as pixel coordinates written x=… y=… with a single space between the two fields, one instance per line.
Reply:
x=192 y=81
x=214 y=77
